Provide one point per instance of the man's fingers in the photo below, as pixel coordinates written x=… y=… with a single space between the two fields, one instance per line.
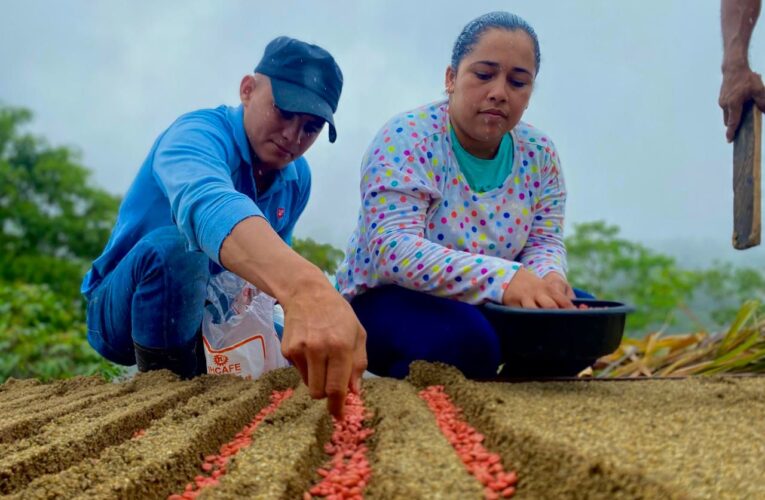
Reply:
x=733 y=121
x=338 y=374
x=734 y=117
x=297 y=358
x=299 y=361
x=317 y=372
x=359 y=360
x=759 y=98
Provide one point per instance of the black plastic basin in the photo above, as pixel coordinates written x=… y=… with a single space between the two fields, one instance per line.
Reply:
x=556 y=342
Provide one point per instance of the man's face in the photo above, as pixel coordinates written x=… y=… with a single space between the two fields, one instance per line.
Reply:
x=277 y=137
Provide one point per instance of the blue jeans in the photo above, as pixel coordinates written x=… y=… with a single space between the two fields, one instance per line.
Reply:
x=404 y=325
x=154 y=297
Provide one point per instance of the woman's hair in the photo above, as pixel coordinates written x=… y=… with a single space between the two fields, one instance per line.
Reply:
x=473 y=30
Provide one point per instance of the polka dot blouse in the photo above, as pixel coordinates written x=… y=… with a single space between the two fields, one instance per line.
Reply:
x=422 y=227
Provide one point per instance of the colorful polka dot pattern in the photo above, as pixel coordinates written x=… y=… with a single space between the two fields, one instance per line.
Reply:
x=422 y=227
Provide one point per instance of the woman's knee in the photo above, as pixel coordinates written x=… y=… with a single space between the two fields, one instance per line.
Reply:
x=474 y=344
x=465 y=340
x=403 y=325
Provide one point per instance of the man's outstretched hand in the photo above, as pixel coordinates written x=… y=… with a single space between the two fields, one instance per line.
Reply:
x=322 y=336
x=326 y=343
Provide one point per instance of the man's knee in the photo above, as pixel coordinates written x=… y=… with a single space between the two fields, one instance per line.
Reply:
x=165 y=249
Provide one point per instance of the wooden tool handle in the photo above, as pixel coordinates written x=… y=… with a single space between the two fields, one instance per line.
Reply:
x=746 y=180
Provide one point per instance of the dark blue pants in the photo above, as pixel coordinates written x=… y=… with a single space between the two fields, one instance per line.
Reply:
x=404 y=325
x=154 y=297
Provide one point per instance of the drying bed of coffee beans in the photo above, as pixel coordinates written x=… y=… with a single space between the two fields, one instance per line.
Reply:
x=435 y=435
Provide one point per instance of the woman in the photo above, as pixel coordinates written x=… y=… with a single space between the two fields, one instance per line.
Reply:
x=460 y=200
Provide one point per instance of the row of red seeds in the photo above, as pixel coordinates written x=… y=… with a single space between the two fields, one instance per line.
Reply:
x=214 y=466
x=484 y=465
x=346 y=474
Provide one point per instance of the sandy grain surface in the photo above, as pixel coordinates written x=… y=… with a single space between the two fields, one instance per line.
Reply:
x=693 y=438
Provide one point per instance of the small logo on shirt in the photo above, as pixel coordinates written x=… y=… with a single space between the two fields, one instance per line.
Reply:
x=279 y=213
x=220 y=359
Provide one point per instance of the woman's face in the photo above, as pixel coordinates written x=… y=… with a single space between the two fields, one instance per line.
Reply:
x=491 y=89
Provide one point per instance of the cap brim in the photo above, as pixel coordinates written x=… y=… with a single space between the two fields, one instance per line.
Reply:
x=297 y=99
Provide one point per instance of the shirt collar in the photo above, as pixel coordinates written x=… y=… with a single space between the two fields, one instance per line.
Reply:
x=236 y=119
x=289 y=173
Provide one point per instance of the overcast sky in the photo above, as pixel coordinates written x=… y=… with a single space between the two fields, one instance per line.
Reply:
x=627 y=90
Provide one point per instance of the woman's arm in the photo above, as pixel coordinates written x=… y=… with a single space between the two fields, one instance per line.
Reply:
x=544 y=251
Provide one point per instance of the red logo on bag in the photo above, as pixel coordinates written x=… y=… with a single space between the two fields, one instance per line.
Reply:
x=220 y=359
x=279 y=213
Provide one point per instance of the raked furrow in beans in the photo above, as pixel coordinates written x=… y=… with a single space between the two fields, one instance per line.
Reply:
x=87 y=433
x=347 y=472
x=410 y=458
x=284 y=450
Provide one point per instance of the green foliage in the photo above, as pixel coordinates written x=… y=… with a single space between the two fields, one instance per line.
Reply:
x=43 y=335
x=723 y=288
x=324 y=255
x=665 y=295
x=53 y=222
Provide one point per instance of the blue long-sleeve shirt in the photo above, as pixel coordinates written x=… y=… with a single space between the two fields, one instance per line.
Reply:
x=198 y=176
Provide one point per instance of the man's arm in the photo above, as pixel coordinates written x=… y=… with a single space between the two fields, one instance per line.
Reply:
x=322 y=336
x=740 y=84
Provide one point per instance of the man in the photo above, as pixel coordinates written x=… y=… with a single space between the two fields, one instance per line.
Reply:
x=740 y=84
x=223 y=188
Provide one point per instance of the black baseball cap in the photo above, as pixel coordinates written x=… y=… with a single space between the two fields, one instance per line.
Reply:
x=304 y=78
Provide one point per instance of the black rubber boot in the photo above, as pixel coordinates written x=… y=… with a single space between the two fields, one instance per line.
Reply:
x=186 y=362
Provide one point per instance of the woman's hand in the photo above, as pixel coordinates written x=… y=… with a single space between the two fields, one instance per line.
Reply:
x=527 y=290
x=560 y=284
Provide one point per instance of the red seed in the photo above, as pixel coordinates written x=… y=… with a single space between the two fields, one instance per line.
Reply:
x=347 y=471
x=490 y=494
x=486 y=467
x=500 y=484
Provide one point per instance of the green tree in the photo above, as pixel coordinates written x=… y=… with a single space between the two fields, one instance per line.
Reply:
x=664 y=294
x=617 y=269
x=43 y=336
x=723 y=288
x=324 y=255
x=53 y=221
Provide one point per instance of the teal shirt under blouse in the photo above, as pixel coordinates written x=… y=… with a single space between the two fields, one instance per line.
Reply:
x=484 y=175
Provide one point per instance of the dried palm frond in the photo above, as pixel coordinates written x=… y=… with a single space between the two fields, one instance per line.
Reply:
x=740 y=349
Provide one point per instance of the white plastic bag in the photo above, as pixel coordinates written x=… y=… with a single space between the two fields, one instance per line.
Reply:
x=238 y=329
